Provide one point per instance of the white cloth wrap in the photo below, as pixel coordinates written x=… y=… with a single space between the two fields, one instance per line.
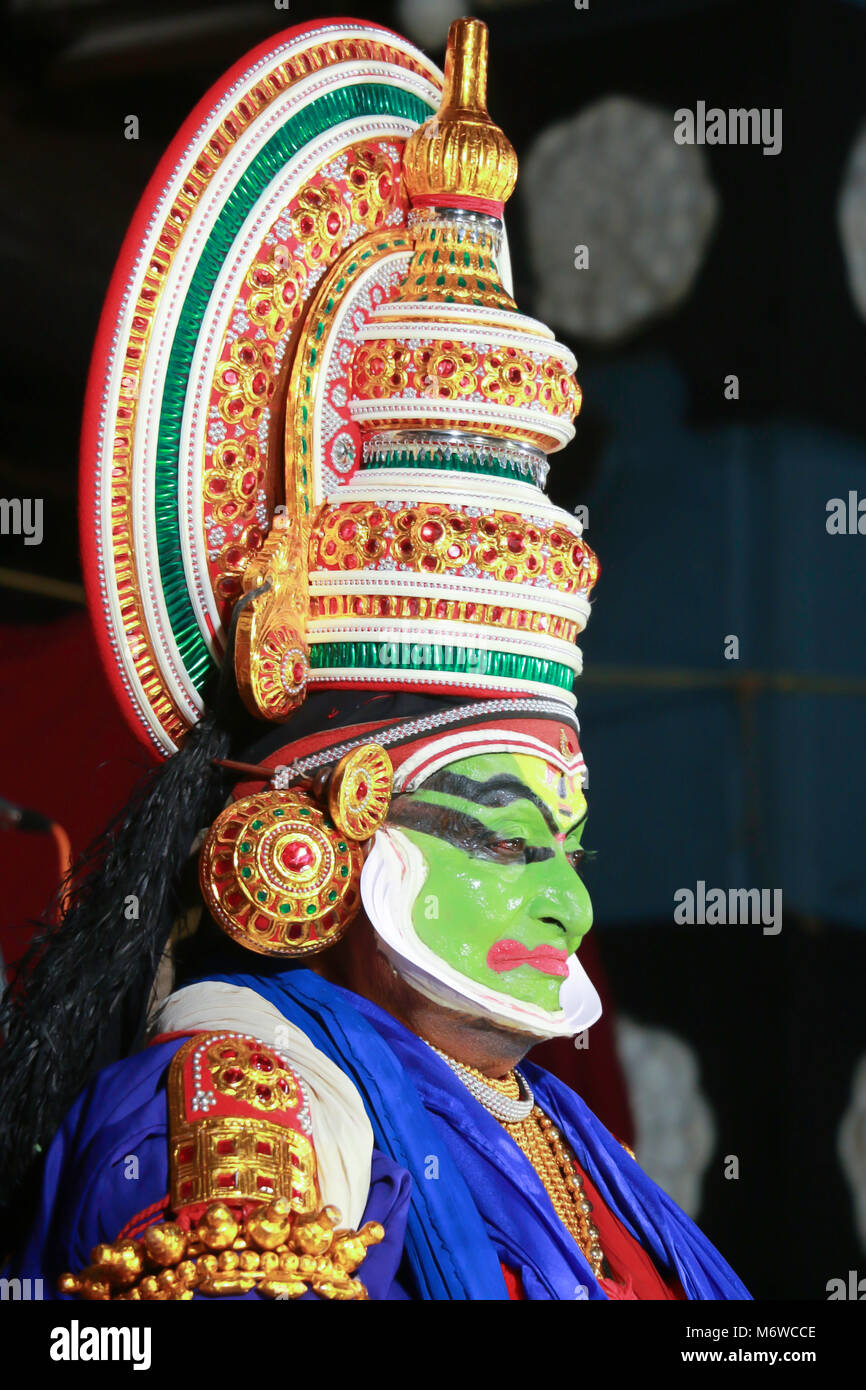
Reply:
x=342 y=1134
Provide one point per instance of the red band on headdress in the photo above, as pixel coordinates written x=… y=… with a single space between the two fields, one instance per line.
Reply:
x=459 y=200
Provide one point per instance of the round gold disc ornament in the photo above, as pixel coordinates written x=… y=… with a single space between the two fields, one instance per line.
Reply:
x=359 y=792
x=278 y=877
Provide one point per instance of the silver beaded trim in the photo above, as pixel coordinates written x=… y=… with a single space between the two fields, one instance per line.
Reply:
x=203 y=1099
x=531 y=463
x=284 y=776
x=502 y=1108
x=464 y=223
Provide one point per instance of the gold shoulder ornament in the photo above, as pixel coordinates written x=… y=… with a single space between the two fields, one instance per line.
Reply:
x=244 y=1191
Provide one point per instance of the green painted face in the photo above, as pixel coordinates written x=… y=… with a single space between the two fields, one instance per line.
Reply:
x=502 y=902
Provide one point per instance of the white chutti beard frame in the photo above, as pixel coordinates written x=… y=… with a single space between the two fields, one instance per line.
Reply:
x=393 y=875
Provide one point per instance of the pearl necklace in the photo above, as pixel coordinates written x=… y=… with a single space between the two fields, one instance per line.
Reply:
x=505 y=1108
x=539 y=1139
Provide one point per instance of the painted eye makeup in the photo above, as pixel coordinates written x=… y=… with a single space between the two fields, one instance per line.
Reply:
x=507 y=849
x=580 y=856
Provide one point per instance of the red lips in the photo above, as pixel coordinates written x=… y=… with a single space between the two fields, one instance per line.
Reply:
x=507 y=955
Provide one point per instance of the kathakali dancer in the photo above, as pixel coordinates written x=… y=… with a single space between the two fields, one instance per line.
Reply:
x=294 y=984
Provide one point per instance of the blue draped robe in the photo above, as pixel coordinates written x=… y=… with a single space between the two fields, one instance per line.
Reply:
x=457 y=1197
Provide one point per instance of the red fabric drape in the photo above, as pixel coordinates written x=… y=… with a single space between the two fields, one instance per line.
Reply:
x=65 y=751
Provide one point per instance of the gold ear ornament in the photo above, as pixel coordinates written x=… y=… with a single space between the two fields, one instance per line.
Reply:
x=280 y=873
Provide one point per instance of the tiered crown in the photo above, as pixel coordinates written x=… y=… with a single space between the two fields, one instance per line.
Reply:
x=312 y=387
x=442 y=564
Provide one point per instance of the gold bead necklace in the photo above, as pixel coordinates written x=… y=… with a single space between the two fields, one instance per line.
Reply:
x=540 y=1140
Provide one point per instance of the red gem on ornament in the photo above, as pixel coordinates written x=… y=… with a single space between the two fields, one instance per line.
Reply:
x=362 y=790
x=346 y=530
x=296 y=855
x=515 y=542
x=234 y=1076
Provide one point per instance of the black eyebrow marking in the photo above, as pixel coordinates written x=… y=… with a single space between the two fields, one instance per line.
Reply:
x=456 y=827
x=497 y=791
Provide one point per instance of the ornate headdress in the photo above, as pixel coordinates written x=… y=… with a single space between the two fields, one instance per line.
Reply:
x=318 y=393
x=311 y=379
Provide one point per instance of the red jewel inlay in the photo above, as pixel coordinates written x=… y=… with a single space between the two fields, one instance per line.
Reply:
x=296 y=856
x=431 y=531
x=362 y=790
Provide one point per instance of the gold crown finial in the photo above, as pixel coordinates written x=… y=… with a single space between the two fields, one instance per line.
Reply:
x=460 y=153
